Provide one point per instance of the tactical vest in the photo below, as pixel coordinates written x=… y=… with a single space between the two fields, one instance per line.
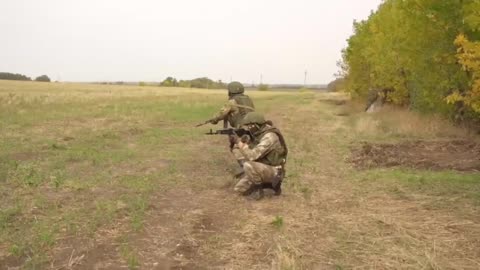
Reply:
x=245 y=105
x=276 y=156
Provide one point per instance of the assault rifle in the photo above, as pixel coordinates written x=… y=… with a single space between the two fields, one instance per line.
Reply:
x=204 y=123
x=239 y=132
x=234 y=134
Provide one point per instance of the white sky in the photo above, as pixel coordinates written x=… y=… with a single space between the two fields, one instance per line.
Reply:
x=146 y=40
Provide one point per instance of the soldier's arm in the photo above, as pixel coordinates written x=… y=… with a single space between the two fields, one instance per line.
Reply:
x=260 y=150
x=224 y=111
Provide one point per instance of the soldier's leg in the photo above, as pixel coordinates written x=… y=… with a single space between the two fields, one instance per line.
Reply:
x=246 y=187
x=238 y=155
x=272 y=182
x=255 y=174
x=259 y=173
x=240 y=159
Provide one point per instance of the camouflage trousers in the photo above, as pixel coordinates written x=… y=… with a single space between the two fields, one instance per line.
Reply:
x=256 y=173
x=238 y=155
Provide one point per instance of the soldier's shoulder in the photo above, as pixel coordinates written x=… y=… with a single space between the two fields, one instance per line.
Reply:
x=271 y=135
x=231 y=102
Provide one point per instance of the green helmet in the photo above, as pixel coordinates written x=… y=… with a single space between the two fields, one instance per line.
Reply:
x=253 y=118
x=235 y=88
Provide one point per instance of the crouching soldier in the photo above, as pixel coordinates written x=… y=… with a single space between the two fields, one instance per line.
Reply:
x=236 y=108
x=263 y=158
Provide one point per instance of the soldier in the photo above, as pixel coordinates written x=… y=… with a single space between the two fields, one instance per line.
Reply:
x=263 y=159
x=236 y=108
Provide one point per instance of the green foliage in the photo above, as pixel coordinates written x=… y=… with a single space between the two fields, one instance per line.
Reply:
x=203 y=82
x=169 y=82
x=207 y=83
x=336 y=85
x=407 y=46
x=43 y=78
x=13 y=77
x=263 y=87
x=277 y=222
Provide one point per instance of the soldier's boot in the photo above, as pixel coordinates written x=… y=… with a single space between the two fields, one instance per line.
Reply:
x=257 y=194
x=277 y=181
x=278 y=189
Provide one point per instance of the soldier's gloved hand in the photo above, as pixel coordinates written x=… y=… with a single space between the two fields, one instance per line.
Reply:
x=240 y=144
x=214 y=122
x=233 y=139
x=245 y=139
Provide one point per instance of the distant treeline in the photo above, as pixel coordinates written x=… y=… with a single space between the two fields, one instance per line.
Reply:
x=424 y=54
x=13 y=77
x=203 y=82
x=289 y=86
x=21 y=77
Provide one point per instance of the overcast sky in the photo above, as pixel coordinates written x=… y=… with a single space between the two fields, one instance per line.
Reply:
x=147 y=40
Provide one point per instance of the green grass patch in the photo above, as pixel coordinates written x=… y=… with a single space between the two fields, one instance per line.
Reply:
x=277 y=222
x=438 y=183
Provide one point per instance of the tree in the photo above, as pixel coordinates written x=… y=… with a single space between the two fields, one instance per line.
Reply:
x=413 y=49
x=13 y=76
x=43 y=78
x=169 y=82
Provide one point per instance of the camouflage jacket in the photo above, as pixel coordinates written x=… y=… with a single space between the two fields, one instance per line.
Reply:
x=268 y=150
x=232 y=111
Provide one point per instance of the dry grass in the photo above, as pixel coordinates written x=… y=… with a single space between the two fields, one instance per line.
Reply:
x=142 y=188
x=393 y=122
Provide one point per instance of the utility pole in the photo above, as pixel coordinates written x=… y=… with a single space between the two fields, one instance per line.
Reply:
x=305 y=80
x=261 y=78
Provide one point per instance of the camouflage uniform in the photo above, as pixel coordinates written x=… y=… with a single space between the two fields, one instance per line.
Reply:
x=263 y=160
x=234 y=110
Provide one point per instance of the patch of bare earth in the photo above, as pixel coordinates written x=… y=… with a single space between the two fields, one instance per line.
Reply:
x=457 y=155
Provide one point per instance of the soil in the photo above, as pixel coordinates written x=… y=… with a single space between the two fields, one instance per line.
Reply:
x=458 y=155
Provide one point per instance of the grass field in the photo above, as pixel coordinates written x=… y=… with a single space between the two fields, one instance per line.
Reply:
x=112 y=177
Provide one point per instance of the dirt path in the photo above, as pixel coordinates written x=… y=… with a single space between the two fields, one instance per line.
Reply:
x=324 y=219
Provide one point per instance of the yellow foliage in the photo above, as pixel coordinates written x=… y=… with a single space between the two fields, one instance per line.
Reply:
x=468 y=55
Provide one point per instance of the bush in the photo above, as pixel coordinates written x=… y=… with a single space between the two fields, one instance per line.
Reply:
x=263 y=87
x=43 y=78
x=336 y=85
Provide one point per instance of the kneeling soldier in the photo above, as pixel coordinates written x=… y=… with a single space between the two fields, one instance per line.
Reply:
x=263 y=158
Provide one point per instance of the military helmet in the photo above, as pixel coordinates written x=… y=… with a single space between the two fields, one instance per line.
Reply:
x=253 y=118
x=235 y=88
